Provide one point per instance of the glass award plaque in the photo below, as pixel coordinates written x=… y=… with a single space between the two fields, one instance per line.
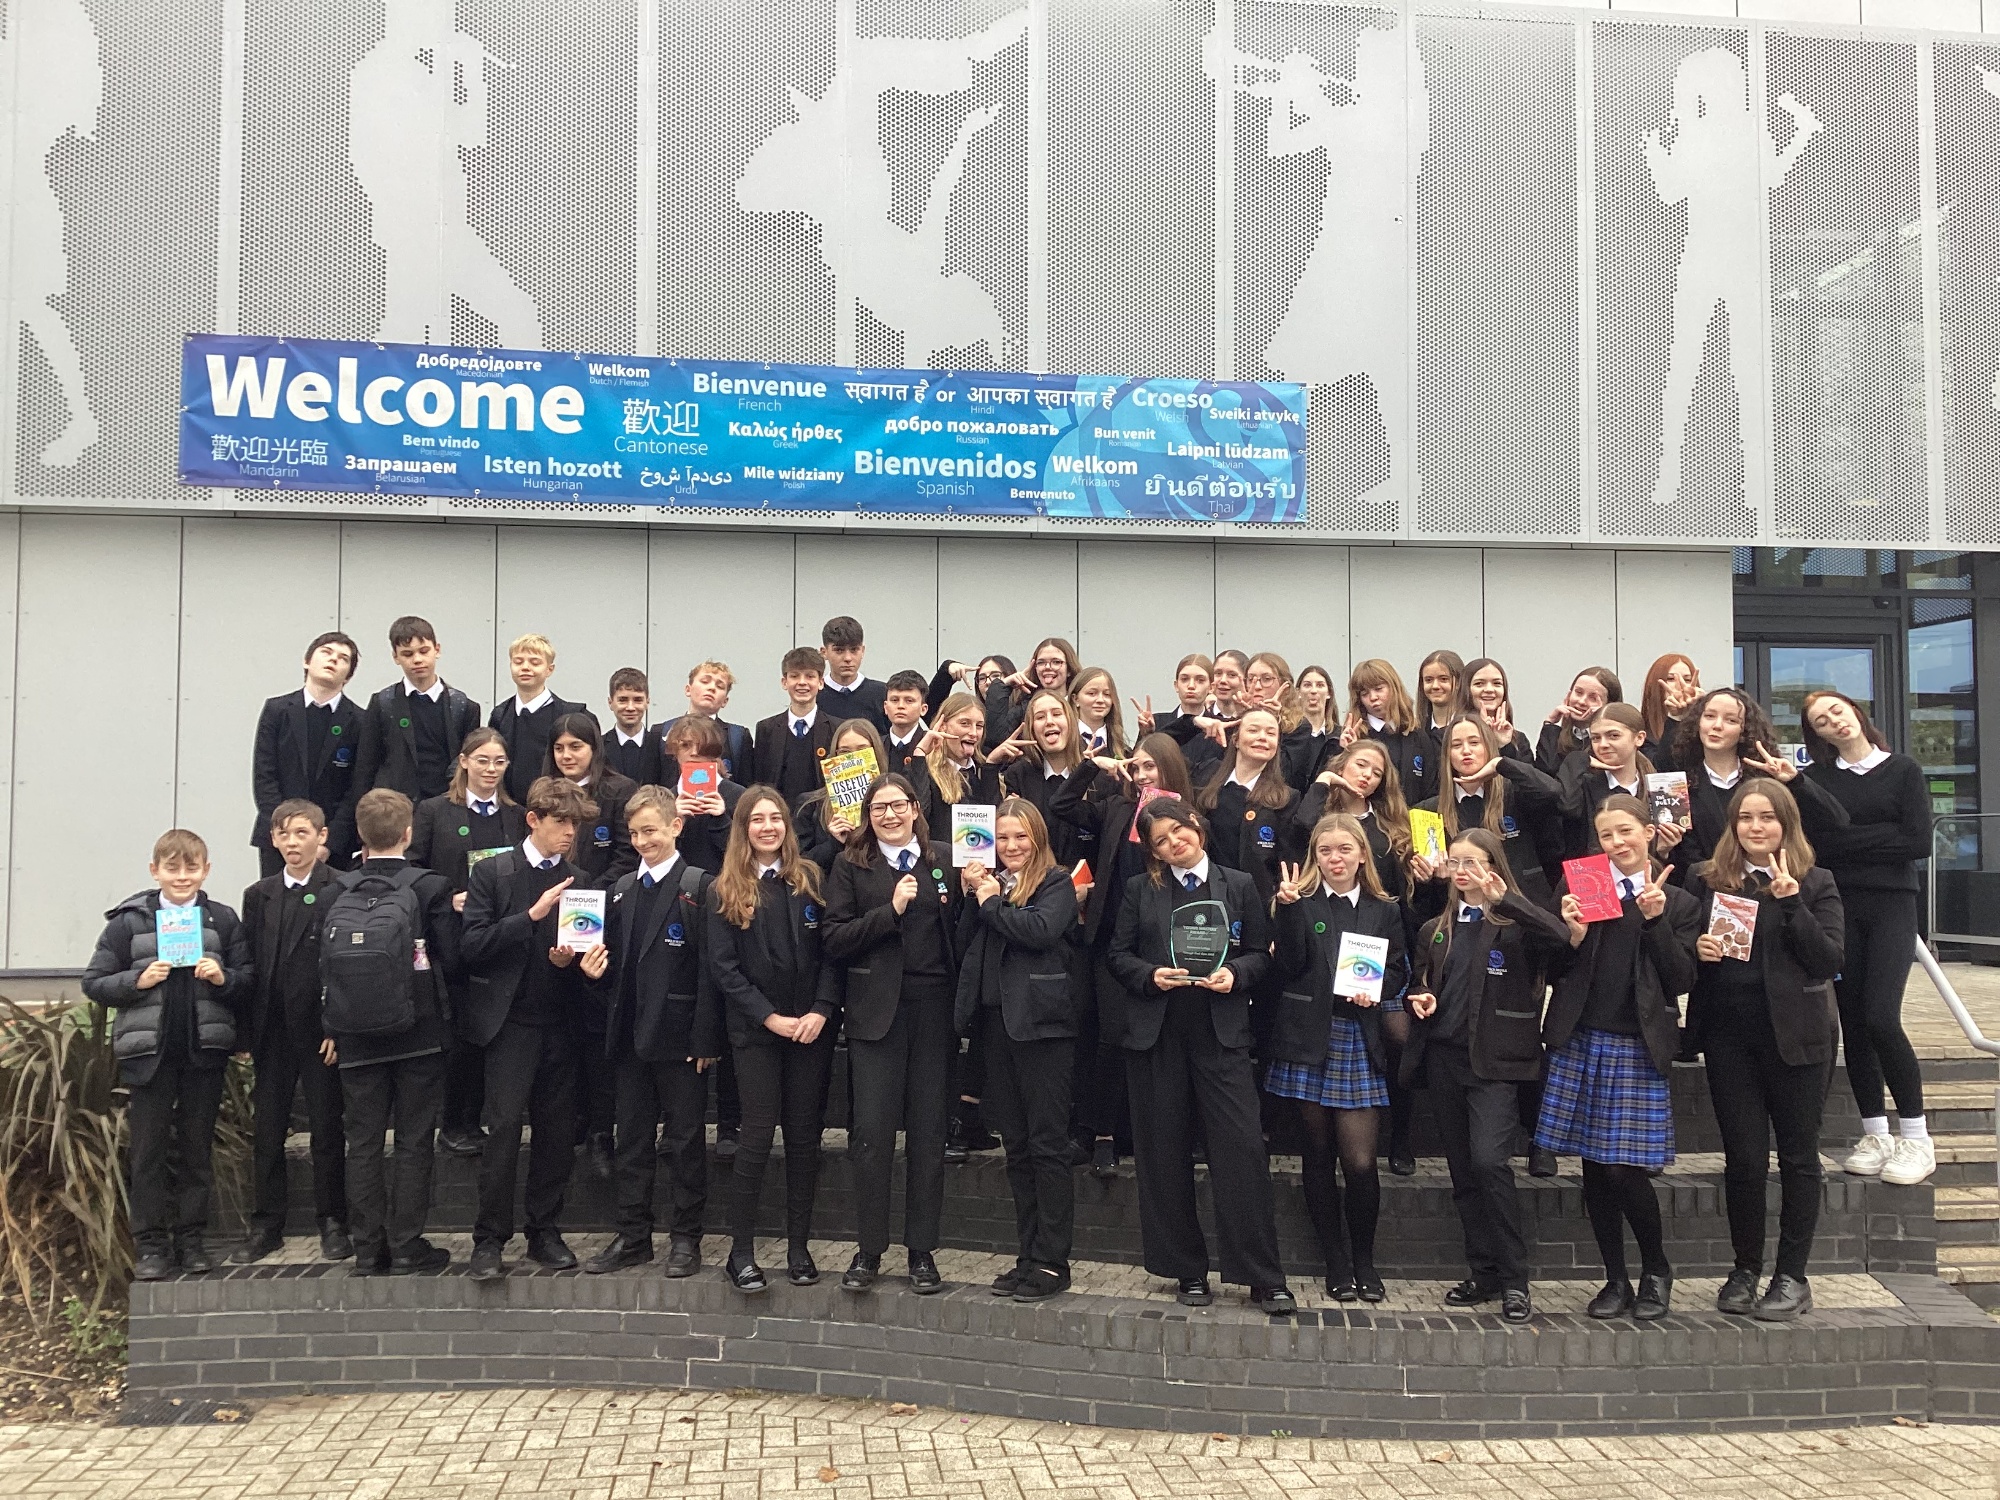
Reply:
x=1198 y=937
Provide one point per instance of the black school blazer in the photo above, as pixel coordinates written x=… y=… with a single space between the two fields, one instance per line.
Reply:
x=768 y=752
x=499 y=942
x=1101 y=812
x=1584 y=790
x=862 y=933
x=1801 y=940
x=436 y=842
x=672 y=1014
x=771 y=968
x=1308 y=943
x=1258 y=840
x=263 y=925
x=1311 y=807
x=285 y=764
x=1504 y=1029
x=1142 y=944
x=1027 y=949
x=1663 y=969
x=1820 y=814
x=388 y=753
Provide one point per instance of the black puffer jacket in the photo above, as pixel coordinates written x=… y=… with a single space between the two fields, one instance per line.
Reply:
x=200 y=1017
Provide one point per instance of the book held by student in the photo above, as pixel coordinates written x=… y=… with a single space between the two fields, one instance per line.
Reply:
x=1596 y=889
x=1359 y=967
x=1667 y=795
x=178 y=932
x=580 y=920
x=972 y=833
x=1732 y=922
x=848 y=777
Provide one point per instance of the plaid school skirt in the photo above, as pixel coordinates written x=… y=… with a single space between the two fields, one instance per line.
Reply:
x=1606 y=1102
x=1345 y=1080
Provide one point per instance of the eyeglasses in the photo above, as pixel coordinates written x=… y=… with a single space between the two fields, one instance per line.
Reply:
x=1471 y=866
x=489 y=762
x=894 y=809
x=1262 y=679
x=1050 y=661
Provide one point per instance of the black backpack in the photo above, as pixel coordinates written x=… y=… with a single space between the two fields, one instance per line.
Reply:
x=367 y=954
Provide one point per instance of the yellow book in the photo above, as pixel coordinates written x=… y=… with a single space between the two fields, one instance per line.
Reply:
x=1427 y=834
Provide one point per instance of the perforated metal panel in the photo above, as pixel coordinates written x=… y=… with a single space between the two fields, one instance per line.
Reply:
x=1966 y=82
x=1680 y=283
x=1847 y=336
x=113 y=252
x=1495 y=259
x=1392 y=205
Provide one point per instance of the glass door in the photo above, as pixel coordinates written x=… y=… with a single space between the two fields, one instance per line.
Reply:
x=1781 y=673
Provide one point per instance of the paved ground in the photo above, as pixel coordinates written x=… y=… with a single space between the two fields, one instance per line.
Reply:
x=468 y=1446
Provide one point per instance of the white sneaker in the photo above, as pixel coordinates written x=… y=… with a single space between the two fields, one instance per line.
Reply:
x=1870 y=1155
x=1910 y=1163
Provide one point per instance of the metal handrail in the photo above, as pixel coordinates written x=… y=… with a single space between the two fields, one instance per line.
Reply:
x=1956 y=1006
x=1972 y=939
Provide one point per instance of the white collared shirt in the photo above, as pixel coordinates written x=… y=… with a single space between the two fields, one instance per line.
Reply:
x=1375 y=725
x=312 y=702
x=534 y=856
x=622 y=738
x=793 y=721
x=486 y=807
x=663 y=869
x=915 y=735
x=292 y=882
x=894 y=853
x=1200 y=873
x=841 y=687
x=1251 y=784
x=434 y=692
x=535 y=704
x=1723 y=783
x=1611 y=780
x=1463 y=793
x=1093 y=739
x=1867 y=763
x=194 y=900
x=772 y=868
x=1352 y=898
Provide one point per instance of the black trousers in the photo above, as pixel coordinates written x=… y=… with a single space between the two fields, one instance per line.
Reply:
x=1187 y=1077
x=464 y=1076
x=1756 y=1094
x=1881 y=946
x=170 y=1163
x=1098 y=1072
x=780 y=1083
x=390 y=1197
x=1477 y=1118
x=1027 y=1101
x=285 y=1064
x=531 y=1076
x=902 y=1081
x=652 y=1094
x=728 y=1099
x=596 y=1087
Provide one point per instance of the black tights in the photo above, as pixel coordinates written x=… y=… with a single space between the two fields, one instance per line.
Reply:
x=1616 y=1195
x=1348 y=1136
x=1402 y=1098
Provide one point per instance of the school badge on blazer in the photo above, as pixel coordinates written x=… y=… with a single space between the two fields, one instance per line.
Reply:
x=1496 y=961
x=602 y=835
x=675 y=935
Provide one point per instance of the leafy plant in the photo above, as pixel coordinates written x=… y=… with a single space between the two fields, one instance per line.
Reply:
x=95 y=1333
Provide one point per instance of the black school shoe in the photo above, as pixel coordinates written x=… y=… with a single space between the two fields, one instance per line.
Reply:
x=335 y=1243
x=485 y=1263
x=1515 y=1305
x=800 y=1267
x=1343 y=1288
x=1469 y=1293
x=462 y=1140
x=1369 y=1285
x=619 y=1254
x=1038 y=1283
x=263 y=1242
x=1278 y=1301
x=1613 y=1302
x=1541 y=1162
x=153 y=1265
x=419 y=1258
x=194 y=1259
x=1104 y=1160
x=683 y=1255
x=1786 y=1298
x=551 y=1250
x=1194 y=1292
x=1738 y=1296
x=745 y=1275
x=861 y=1273
x=1656 y=1298
x=1008 y=1281
x=924 y=1277
x=370 y=1260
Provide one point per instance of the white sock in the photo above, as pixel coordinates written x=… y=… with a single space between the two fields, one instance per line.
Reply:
x=1875 y=1125
x=1914 y=1129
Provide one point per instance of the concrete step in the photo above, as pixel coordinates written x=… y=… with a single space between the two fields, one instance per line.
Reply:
x=1974 y=1270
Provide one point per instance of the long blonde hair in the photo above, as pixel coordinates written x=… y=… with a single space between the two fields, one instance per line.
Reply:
x=1070 y=755
x=1041 y=862
x=1726 y=869
x=942 y=760
x=1114 y=722
x=1347 y=823
x=1391 y=811
x=737 y=886
x=1496 y=789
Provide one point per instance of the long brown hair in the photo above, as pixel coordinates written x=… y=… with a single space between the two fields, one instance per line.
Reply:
x=1041 y=861
x=1390 y=810
x=1167 y=810
x=1614 y=692
x=1487 y=843
x=1817 y=745
x=1374 y=673
x=1346 y=823
x=1628 y=716
x=1726 y=869
x=1453 y=664
x=1271 y=790
x=479 y=739
x=1291 y=713
x=1070 y=755
x=942 y=760
x=1114 y=722
x=1640 y=813
x=861 y=849
x=1167 y=755
x=1496 y=788
x=1757 y=735
x=737 y=886
x=1653 y=701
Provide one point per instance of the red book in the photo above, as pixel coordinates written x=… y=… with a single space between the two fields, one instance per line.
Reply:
x=1080 y=876
x=698 y=776
x=1596 y=889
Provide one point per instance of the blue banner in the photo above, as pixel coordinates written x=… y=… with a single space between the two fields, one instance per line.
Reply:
x=499 y=424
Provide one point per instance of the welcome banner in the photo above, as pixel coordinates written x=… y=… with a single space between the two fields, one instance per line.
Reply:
x=317 y=414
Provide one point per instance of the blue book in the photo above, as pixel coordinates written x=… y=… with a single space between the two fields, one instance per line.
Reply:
x=178 y=931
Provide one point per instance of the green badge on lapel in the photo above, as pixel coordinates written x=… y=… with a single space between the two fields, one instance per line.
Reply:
x=463 y=830
x=1319 y=927
x=405 y=723
x=309 y=898
x=336 y=729
x=937 y=874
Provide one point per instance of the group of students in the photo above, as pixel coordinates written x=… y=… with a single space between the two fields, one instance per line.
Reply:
x=1046 y=988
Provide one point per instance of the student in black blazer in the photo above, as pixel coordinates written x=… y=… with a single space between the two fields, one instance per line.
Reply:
x=1017 y=984
x=889 y=926
x=1187 y=1044
x=1440 y=685
x=844 y=693
x=282 y=1033
x=528 y=719
x=1724 y=738
x=905 y=701
x=1485 y=696
x=1567 y=728
x=522 y=989
x=1053 y=664
x=576 y=752
x=663 y=1031
x=1100 y=799
x=705 y=816
x=630 y=748
x=1476 y=995
x=709 y=684
x=1249 y=806
x=781 y=1006
x=473 y=820
x=1327 y=1045
x=1038 y=763
x=306 y=745
x=1768 y=1027
x=1379 y=708
x=1615 y=762
x=1485 y=787
x=791 y=744
x=1612 y=1034
x=822 y=830
x=411 y=730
